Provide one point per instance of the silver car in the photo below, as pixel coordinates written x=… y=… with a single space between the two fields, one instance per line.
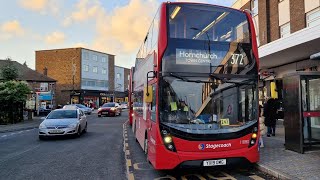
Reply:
x=84 y=108
x=61 y=122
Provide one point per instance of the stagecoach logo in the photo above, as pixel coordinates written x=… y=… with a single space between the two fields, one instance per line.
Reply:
x=213 y=146
x=201 y=146
x=198 y=57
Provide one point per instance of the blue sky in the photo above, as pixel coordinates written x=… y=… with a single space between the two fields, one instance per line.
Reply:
x=112 y=26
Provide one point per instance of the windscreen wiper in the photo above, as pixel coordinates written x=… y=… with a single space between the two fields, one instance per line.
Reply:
x=223 y=77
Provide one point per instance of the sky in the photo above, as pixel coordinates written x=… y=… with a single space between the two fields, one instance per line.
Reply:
x=112 y=26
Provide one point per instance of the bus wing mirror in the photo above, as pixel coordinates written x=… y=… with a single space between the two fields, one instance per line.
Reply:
x=147 y=94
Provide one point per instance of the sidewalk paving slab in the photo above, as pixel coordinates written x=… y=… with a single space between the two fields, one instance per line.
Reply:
x=284 y=164
x=26 y=124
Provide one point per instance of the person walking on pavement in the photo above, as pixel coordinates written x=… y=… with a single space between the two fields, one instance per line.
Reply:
x=262 y=126
x=270 y=114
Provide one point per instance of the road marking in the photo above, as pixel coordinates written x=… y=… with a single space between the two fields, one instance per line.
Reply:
x=136 y=166
x=129 y=162
x=255 y=177
x=130 y=176
x=197 y=175
x=12 y=134
x=4 y=135
x=166 y=177
x=226 y=177
x=127 y=153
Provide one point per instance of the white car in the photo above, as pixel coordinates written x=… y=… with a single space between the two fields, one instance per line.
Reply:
x=61 y=122
x=85 y=109
x=124 y=105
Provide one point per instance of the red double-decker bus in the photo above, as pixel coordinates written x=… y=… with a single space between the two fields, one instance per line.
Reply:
x=195 y=87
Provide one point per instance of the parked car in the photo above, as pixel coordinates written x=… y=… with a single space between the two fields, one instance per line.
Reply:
x=61 y=122
x=124 y=105
x=84 y=108
x=111 y=109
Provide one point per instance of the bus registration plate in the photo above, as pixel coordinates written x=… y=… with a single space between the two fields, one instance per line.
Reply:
x=217 y=162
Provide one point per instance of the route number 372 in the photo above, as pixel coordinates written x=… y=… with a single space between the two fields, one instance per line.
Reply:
x=237 y=59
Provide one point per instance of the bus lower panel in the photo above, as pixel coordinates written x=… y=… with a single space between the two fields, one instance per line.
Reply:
x=166 y=159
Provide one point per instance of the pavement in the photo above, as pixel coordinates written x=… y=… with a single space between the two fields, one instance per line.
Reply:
x=285 y=164
x=24 y=125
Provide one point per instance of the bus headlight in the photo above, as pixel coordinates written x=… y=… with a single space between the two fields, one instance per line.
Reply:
x=167 y=139
x=254 y=136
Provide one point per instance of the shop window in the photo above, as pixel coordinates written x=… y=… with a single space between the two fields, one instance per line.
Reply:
x=285 y=30
x=313 y=18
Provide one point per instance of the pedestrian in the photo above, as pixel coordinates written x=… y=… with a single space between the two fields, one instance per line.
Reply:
x=270 y=114
x=262 y=128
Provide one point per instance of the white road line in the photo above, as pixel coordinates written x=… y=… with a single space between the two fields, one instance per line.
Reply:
x=4 y=135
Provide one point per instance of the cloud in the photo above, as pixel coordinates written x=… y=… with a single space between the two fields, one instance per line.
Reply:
x=84 y=11
x=10 y=29
x=127 y=26
x=42 y=6
x=55 y=38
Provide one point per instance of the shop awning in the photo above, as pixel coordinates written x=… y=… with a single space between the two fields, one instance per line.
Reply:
x=297 y=46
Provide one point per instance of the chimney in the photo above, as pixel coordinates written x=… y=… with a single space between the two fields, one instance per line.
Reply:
x=45 y=71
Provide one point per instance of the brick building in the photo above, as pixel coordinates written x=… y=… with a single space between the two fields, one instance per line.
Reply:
x=83 y=75
x=288 y=33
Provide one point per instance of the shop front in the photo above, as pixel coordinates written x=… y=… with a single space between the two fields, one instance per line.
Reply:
x=95 y=99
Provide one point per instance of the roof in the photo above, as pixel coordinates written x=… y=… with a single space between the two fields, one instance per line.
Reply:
x=76 y=48
x=25 y=73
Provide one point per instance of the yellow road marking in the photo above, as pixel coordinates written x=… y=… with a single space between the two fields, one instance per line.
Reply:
x=165 y=177
x=197 y=175
x=130 y=176
x=129 y=162
x=227 y=177
x=127 y=152
x=255 y=177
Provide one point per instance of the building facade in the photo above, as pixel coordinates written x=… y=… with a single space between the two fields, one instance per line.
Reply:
x=43 y=94
x=288 y=33
x=83 y=75
x=121 y=82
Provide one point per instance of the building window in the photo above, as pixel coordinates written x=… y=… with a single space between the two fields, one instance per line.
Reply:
x=86 y=68
x=254 y=5
x=104 y=71
x=95 y=57
x=313 y=18
x=103 y=59
x=95 y=69
x=86 y=55
x=118 y=76
x=285 y=30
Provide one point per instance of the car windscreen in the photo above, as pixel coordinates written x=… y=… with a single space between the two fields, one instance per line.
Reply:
x=109 y=105
x=80 y=106
x=62 y=114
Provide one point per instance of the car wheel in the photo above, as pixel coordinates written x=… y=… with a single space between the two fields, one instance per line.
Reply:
x=89 y=113
x=86 y=128
x=99 y=115
x=79 y=131
x=120 y=113
x=41 y=138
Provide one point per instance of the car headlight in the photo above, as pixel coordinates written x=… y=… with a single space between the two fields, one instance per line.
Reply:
x=113 y=109
x=42 y=126
x=99 y=109
x=72 y=125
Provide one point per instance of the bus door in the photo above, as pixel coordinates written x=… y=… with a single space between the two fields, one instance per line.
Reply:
x=152 y=124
